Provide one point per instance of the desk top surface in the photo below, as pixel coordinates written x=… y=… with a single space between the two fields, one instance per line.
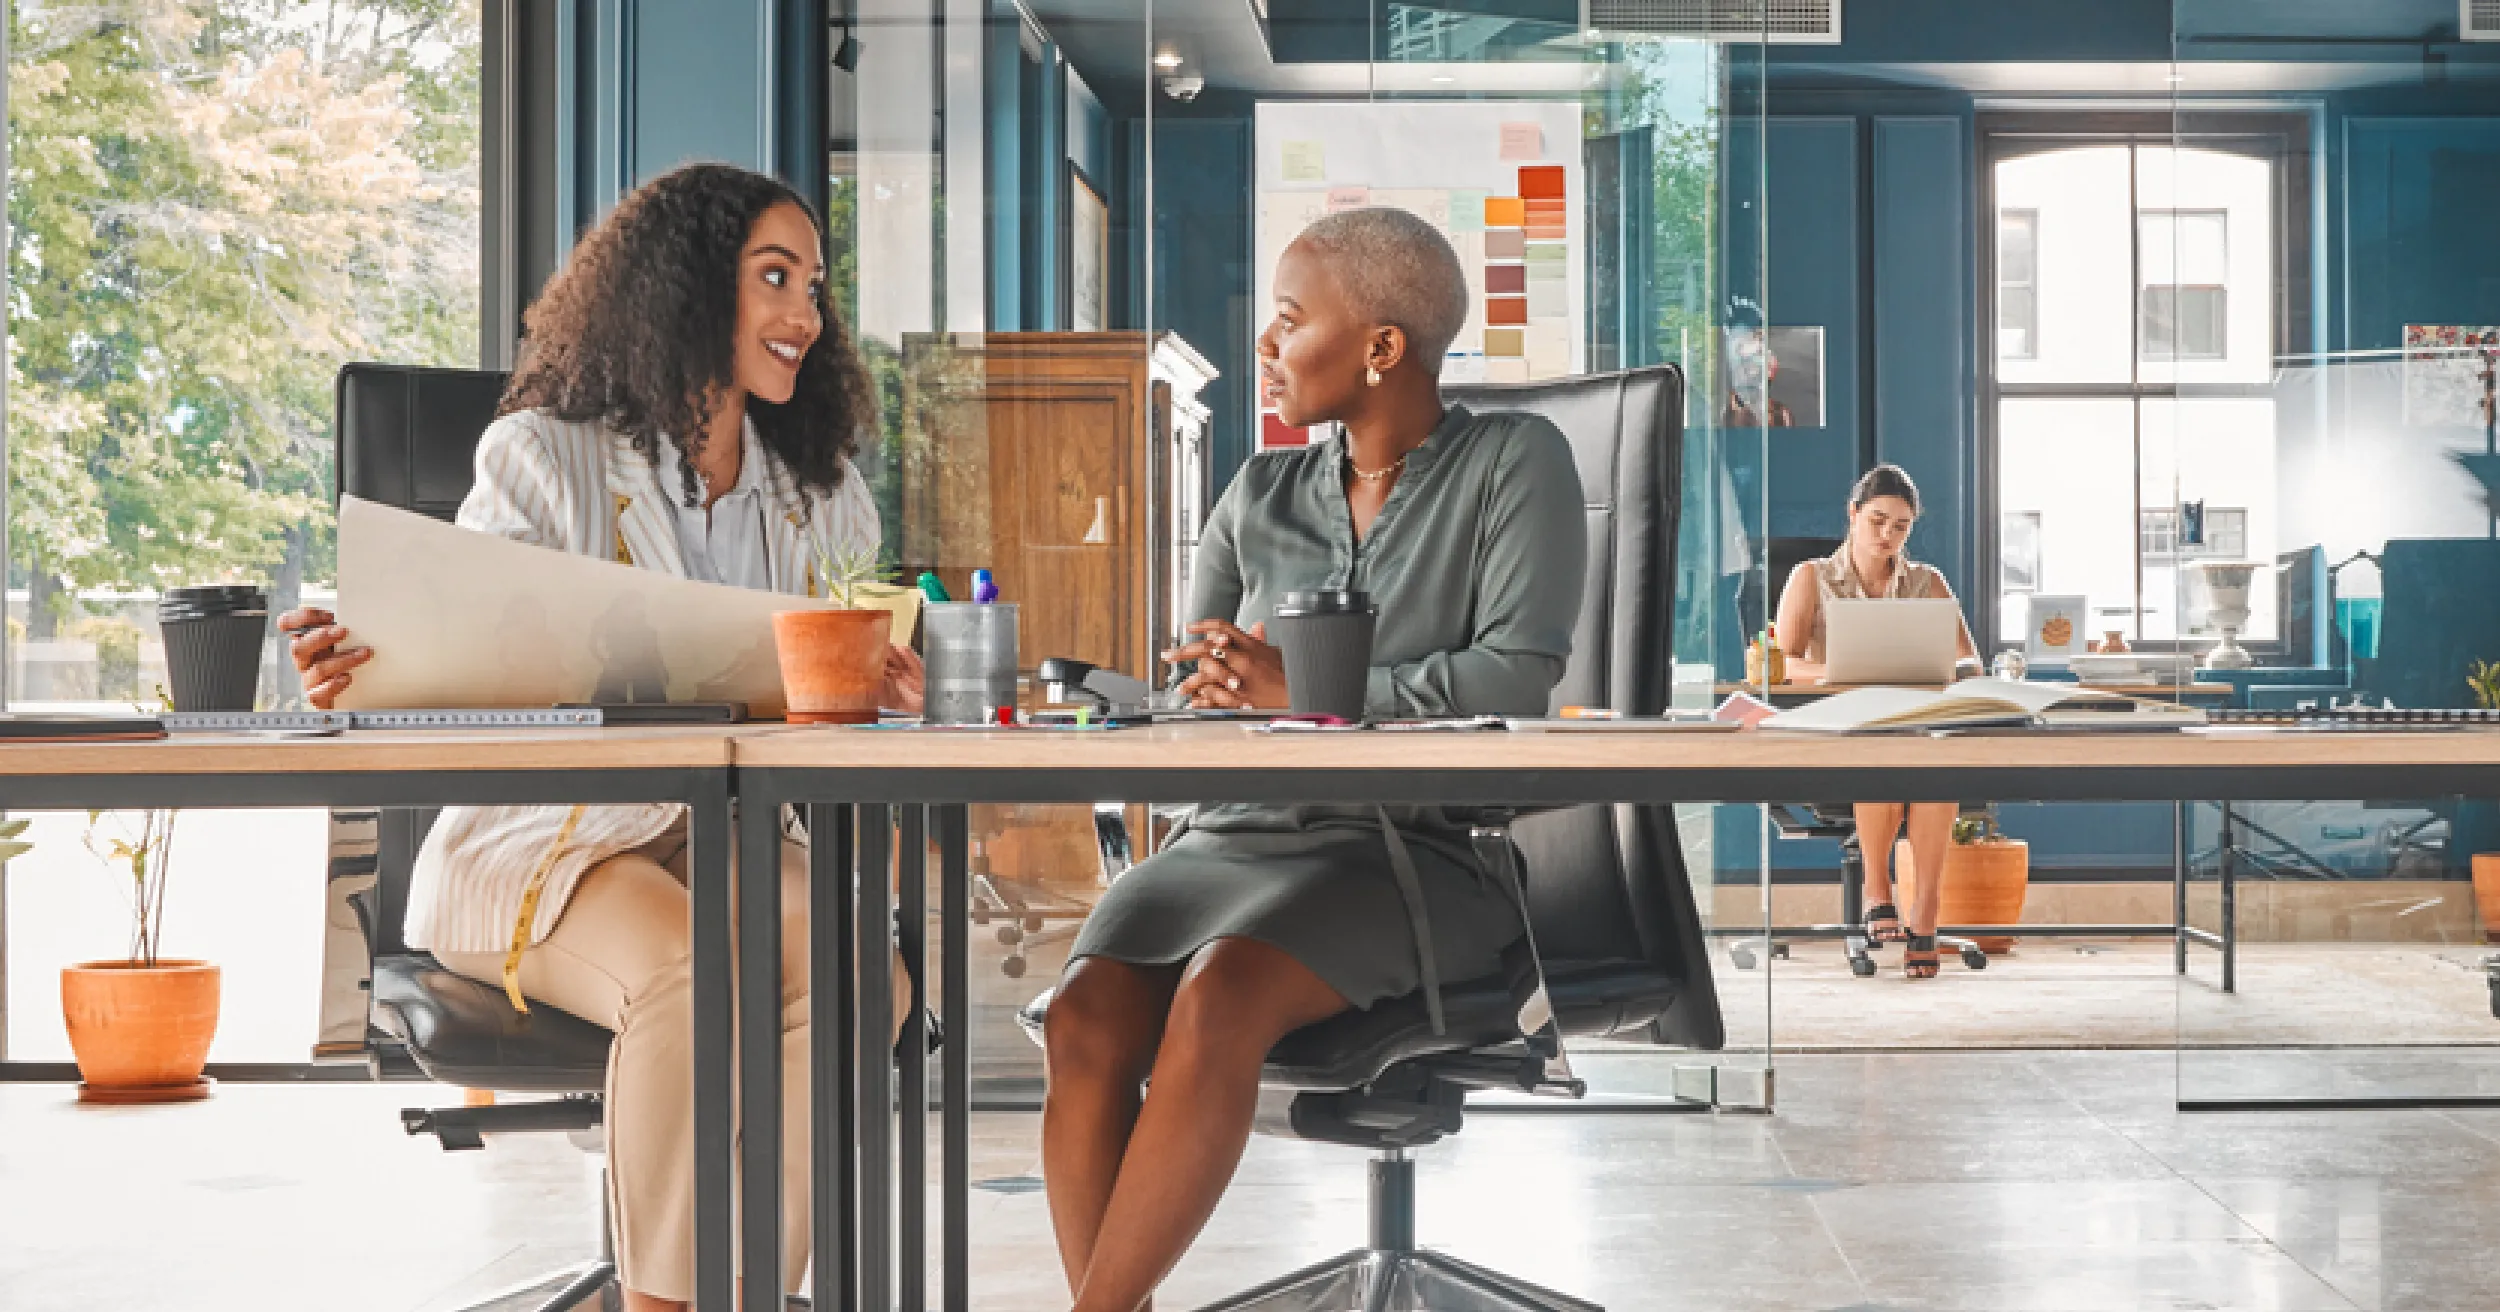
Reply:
x=373 y=751
x=2153 y=691
x=1230 y=747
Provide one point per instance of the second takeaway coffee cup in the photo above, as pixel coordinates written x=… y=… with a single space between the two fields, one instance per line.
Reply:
x=1327 y=641
x=213 y=638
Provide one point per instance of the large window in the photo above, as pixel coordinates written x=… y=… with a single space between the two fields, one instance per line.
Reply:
x=2139 y=315
x=212 y=205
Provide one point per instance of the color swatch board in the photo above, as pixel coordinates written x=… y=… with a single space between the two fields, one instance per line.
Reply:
x=1501 y=179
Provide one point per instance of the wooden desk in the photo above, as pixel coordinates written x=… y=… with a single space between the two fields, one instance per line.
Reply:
x=2151 y=691
x=932 y=776
x=689 y=765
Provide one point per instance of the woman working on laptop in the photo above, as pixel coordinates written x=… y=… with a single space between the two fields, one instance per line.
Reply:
x=1882 y=508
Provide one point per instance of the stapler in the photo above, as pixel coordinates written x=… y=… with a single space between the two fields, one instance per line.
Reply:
x=1113 y=697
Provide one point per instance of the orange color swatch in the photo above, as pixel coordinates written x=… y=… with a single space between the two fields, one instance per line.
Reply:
x=1541 y=182
x=1507 y=311
x=1504 y=212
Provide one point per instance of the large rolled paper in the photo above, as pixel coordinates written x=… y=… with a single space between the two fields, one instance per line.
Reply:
x=468 y=619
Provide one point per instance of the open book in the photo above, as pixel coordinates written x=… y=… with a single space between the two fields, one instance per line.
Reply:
x=1970 y=702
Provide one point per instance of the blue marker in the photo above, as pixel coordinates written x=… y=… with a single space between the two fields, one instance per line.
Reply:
x=984 y=588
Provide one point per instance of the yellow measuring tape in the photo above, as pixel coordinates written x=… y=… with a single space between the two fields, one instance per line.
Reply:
x=624 y=554
x=529 y=910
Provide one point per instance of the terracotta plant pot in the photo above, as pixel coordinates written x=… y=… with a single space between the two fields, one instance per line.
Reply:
x=2487 y=893
x=1984 y=883
x=140 y=1033
x=832 y=663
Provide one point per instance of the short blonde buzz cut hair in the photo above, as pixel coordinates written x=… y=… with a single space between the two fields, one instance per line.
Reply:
x=1398 y=271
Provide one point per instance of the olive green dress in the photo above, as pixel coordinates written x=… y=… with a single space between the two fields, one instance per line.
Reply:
x=1476 y=565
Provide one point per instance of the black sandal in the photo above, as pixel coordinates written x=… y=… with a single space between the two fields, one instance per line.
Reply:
x=1876 y=936
x=1918 y=957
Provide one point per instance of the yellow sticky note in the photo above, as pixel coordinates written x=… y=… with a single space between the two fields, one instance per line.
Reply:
x=1305 y=162
x=1505 y=212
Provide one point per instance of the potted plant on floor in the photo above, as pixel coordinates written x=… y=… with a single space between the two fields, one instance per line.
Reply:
x=2484 y=680
x=1986 y=876
x=140 y=1025
x=833 y=660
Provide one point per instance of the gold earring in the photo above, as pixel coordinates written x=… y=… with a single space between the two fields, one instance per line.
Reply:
x=1371 y=377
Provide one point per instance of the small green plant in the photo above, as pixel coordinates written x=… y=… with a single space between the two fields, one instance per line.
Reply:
x=2484 y=679
x=13 y=842
x=845 y=570
x=146 y=855
x=1971 y=829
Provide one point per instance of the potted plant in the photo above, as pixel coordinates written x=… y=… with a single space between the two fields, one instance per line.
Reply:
x=833 y=660
x=140 y=1025
x=2484 y=679
x=1986 y=876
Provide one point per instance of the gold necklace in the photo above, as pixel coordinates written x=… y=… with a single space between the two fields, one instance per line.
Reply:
x=1375 y=475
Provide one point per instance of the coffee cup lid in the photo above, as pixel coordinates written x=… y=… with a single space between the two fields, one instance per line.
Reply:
x=1332 y=601
x=203 y=600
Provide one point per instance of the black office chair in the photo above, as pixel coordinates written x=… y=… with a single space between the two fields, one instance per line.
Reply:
x=1614 y=917
x=406 y=436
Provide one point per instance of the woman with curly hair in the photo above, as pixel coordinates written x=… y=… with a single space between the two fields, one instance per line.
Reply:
x=685 y=404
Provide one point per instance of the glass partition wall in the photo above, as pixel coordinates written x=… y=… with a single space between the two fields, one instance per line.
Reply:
x=2318 y=292
x=1058 y=257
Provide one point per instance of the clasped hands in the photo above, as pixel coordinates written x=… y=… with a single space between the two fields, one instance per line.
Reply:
x=1237 y=668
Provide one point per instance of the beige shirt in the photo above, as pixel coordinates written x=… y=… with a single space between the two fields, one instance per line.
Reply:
x=725 y=541
x=1836 y=576
x=580 y=488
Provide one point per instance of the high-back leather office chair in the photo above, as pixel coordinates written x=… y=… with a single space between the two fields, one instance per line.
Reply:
x=406 y=437
x=1615 y=921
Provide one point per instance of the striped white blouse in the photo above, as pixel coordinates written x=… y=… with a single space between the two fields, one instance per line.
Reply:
x=580 y=488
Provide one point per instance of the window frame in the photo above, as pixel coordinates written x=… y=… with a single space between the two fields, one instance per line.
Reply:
x=2286 y=138
x=2031 y=321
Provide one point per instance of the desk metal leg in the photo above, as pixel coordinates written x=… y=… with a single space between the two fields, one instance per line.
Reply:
x=832 y=1053
x=955 y=1149
x=715 y=1010
x=2230 y=905
x=912 y=1284
x=759 y=1051
x=876 y=1073
x=2179 y=885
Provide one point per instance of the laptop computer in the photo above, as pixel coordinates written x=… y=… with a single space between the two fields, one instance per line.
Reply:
x=1891 y=640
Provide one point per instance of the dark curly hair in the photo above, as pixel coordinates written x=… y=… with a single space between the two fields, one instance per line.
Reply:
x=636 y=331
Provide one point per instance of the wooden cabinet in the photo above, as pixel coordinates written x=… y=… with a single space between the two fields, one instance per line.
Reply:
x=1072 y=466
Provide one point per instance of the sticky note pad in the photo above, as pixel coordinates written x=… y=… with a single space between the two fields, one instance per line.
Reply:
x=1504 y=212
x=1510 y=245
x=1506 y=279
x=1523 y=141
x=1541 y=182
x=1549 y=298
x=1506 y=311
x=1545 y=252
x=1304 y=161
x=1501 y=342
x=1467 y=211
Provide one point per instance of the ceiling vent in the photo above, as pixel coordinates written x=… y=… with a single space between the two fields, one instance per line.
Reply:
x=1780 y=22
x=2478 y=20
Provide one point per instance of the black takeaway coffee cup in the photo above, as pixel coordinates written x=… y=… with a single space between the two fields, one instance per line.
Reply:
x=1327 y=641
x=213 y=637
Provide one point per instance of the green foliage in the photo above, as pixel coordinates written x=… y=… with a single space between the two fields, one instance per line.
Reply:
x=2485 y=681
x=845 y=570
x=116 y=655
x=13 y=842
x=212 y=205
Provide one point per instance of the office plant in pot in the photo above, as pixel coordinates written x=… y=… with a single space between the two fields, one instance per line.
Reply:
x=139 y=1025
x=2484 y=679
x=1986 y=876
x=833 y=660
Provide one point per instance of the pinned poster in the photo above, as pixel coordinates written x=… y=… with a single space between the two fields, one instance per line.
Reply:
x=1348 y=198
x=1523 y=141
x=1305 y=161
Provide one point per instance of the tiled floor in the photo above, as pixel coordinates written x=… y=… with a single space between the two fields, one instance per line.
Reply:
x=2058 y=1181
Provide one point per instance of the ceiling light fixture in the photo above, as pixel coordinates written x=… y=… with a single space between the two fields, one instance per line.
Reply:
x=1167 y=59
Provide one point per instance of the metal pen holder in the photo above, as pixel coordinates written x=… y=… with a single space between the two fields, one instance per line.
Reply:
x=971 y=656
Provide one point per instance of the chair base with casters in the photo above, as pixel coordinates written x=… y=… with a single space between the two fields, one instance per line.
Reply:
x=1833 y=821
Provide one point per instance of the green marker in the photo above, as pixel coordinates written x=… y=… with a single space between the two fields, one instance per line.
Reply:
x=931 y=588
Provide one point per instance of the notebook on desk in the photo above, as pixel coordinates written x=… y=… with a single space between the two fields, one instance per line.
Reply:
x=43 y=727
x=1970 y=704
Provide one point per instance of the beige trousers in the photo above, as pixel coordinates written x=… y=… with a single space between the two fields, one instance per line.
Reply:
x=620 y=956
